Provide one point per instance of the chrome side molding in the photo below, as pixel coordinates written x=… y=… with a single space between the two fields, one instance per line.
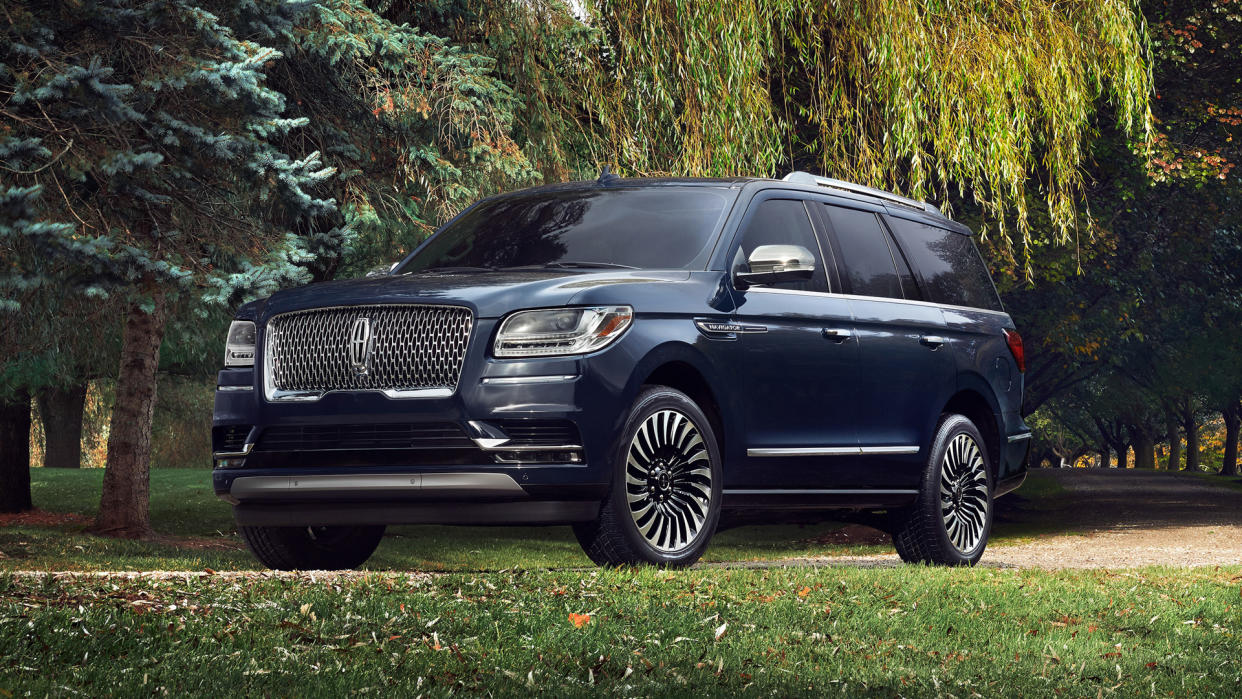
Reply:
x=831 y=451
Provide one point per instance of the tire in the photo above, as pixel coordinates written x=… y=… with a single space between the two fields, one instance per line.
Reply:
x=949 y=525
x=312 y=548
x=664 y=502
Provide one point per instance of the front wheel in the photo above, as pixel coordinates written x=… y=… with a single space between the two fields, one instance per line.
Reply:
x=950 y=521
x=664 y=502
x=312 y=548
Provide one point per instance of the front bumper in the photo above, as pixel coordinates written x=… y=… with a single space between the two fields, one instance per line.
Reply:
x=469 y=474
x=353 y=498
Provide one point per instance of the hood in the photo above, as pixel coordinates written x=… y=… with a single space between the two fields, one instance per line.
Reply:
x=489 y=294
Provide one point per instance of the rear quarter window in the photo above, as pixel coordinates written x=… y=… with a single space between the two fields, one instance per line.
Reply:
x=953 y=271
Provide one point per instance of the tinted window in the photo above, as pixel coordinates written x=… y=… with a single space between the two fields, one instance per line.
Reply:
x=653 y=228
x=953 y=272
x=865 y=258
x=783 y=222
x=908 y=286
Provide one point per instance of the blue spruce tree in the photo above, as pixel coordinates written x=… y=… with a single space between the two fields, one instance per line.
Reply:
x=142 y=159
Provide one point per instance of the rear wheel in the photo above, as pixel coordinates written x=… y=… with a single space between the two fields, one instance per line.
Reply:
x=950 y=521
x=312 y=548
x=664 y=502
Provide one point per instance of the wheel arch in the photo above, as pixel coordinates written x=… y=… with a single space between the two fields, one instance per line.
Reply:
x=681 y=367
x=976 y=406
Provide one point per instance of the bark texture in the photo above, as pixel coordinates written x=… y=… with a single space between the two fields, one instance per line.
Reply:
x=1175 y=445
x=1192 y=443
x=1233 y=418
x=1144 y=450
x=123 y=508
x=15 y=454
x=60 y=409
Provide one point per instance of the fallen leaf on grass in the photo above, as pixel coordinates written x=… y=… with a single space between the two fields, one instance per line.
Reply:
x=579 y=620
x=720 y=630
x=804 y=592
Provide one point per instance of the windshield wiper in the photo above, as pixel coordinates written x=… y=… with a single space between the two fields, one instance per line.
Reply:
x=452 y=270
x=574 y=264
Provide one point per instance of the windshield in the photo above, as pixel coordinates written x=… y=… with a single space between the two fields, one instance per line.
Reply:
x=650 y=228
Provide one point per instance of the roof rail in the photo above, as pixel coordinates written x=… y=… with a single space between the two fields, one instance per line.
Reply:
x=800 y=177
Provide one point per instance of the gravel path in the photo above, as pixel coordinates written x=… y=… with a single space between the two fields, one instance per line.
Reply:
x=1107 y=519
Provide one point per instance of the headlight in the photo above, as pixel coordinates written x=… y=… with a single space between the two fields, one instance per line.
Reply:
x=239 y=348
x=561 y=331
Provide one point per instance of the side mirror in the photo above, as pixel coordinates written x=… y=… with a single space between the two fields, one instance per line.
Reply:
x=770 y=264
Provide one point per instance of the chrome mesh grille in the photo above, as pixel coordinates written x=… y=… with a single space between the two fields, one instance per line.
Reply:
x=408 y=348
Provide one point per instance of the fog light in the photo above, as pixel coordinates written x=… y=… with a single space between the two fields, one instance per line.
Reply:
x=538 y=457
x=230 y=463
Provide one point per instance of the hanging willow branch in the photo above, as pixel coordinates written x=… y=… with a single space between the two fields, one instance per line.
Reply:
x=924 y=97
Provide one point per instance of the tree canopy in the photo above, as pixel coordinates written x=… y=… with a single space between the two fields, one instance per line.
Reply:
x=981 y=100
x=165 y=159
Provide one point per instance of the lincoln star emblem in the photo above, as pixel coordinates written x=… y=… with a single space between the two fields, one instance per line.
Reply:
x=361 y=342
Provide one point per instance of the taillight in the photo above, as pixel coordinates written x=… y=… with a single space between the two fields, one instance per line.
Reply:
x=1014 y=340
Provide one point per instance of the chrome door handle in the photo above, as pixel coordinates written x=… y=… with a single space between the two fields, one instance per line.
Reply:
x=836 y=334
x=932 y=341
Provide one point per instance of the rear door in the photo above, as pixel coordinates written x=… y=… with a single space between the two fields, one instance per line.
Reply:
x=795 y=360
x=905 y=372
x=953 y=274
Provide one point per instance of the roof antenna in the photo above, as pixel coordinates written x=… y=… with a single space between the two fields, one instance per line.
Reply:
x=606 y=177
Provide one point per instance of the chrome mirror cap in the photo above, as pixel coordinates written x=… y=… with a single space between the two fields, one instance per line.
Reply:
x=770 y=264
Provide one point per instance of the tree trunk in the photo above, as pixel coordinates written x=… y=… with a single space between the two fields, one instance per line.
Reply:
x=1192 y=442
x=123 y=510
x=1175 y=444
x=1144 y=450
x=1105 y=457
x=1233 y=416
x=1123 y=457
x=15 y=454
x=61 y=411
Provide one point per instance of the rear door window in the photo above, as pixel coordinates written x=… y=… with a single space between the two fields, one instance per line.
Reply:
x=952 y=270
x=865 y=259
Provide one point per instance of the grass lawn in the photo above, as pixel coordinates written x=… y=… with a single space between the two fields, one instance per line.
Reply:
x=788 y=631
x=1233 y=482
x=520 y=610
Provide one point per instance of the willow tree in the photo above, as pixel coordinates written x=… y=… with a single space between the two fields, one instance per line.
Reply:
x=946 y=99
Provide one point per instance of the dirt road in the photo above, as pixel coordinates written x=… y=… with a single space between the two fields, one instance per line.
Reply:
x=1106 y=519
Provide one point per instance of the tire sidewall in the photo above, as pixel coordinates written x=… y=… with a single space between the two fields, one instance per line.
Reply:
x=950 y=427
x=649 y=401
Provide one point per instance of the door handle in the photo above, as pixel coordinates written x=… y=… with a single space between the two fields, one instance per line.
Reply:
x=836 y=334
x=932 y=341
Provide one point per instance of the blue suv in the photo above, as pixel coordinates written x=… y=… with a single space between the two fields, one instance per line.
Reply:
x=633 y=357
